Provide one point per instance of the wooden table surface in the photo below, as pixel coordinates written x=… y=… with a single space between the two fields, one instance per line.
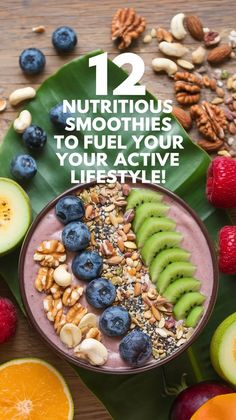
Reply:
x=91 y=19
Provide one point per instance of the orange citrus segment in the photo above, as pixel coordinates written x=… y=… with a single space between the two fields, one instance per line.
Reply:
x=31 y=389
x=221 y=407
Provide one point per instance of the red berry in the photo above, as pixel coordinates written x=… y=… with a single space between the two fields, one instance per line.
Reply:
x=8 y=319
x=221 y=182
x=227 y=250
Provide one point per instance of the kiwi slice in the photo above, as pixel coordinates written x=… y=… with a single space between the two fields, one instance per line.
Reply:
x=151 y=226
x=147 y=210
x=186 y=303
x=15 y=214
x=194 y=316
x=176 y=289
x=164 y=258
x=158 y=242
x=140 y=196
x=172 y=272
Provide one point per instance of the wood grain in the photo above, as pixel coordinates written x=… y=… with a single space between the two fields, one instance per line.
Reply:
x=91 y=19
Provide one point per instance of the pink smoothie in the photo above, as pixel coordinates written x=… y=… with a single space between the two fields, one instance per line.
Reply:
x=50 y=228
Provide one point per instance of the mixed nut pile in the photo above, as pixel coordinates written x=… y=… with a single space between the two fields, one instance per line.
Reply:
x=215 y=117
x=113 y=241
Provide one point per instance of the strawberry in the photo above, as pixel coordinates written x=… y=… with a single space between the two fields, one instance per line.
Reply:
x=8 y=319
x=221 y=182
x=227 y=250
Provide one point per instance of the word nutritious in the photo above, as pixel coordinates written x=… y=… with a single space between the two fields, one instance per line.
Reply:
x=123 y=106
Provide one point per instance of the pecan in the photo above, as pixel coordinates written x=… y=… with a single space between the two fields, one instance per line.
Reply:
x=76 y=313
x=210 y=120
x=164 y=35
x=50 y=253
x=51 y=307
x=187 y=88
x=188 y=77
x=44 y=279
x=94 y=333
x=71 y=295
x=210 y=146
x=211 y=38
x=126 y=26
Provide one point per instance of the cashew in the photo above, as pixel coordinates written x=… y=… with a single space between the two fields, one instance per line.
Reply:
x=177 y=26
x=70 y=335
x=93 y=351
x=3 y=104
x=23 y=121
x=88 y=321
x=61 y=276
x=185 y=64
x=164 y=64
x=173 y=49
x=198 y=55
x=20 y=95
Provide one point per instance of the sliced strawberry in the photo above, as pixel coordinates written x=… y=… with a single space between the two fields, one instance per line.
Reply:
x=221 y=182
x=227 y=250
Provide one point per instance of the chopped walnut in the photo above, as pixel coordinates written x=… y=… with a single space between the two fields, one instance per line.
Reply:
x=210 y=120
x=71 y=295
x=51 y=307
x=76 y=313
x=56 y=291
x=44 y=279
x=59 y=321
x=94 y=333
x=50 y=253
x=126 y=26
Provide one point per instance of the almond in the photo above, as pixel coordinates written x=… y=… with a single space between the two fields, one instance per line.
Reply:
x=194 y=26
x=183 y=117
x=219 y=54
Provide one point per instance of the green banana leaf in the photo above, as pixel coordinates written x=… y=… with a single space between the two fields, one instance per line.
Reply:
x=140 y=396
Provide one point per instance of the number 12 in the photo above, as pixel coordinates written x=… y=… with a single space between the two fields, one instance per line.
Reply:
x=128 y=87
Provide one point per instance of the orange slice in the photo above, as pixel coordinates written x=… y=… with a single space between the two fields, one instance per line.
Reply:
x=31 y=389
x=222 y=407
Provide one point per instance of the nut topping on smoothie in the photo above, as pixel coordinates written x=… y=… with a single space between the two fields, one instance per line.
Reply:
x=127 y=273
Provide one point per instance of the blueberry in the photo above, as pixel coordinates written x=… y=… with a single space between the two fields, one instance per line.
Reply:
x=115 y=321
x=23 y=167
x=69 y=208
x=87 y=265
x=100 y=293
x=34 y=137
x=76 y=236
x=58 y=117
x=136 y=348
x=64 y=39
x=32 y=61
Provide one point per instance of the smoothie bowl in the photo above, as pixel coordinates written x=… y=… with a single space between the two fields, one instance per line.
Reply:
x=118 y=278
